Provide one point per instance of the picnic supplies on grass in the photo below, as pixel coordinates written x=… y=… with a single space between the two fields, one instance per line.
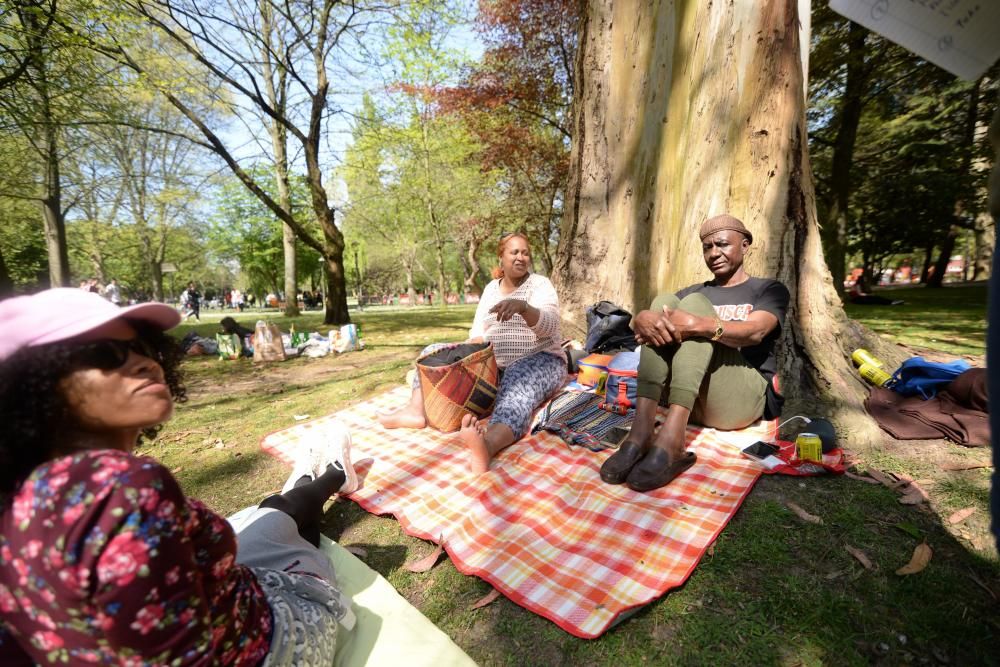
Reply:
x=948 y=415
x=621 y=391
x=267 y=342
x=540 y=526
x=346 y=339
x=578 y=419
x=457 y=380
x=592 y=372
x=230 y=346
x=608 y=328
x=919 y=377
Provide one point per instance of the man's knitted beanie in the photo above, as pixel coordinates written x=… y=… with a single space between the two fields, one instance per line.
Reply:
x=723 y=222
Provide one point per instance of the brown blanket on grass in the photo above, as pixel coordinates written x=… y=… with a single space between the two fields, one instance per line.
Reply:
x=959 y=413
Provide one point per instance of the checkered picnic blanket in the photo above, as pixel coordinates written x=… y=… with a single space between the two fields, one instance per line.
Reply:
x=540 y=526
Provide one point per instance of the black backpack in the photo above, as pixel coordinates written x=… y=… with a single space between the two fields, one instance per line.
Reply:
x=608 y=328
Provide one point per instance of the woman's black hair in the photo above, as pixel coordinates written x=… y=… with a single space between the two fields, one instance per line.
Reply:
x=33 y=411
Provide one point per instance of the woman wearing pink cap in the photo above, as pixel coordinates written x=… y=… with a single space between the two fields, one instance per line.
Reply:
x=102 y=557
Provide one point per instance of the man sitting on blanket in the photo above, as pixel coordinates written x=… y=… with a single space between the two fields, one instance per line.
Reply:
x=709 y=352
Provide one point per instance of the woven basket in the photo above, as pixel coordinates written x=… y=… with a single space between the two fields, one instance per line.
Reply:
x=451 y=390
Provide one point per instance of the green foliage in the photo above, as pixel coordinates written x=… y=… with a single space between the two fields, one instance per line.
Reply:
x=917 y=166
x=21 y=242
x=244 y=232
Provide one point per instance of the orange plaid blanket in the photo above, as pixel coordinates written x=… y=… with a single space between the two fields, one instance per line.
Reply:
x=540 y=526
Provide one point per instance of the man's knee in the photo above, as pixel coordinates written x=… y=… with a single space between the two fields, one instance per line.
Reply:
x=666 y=299
x=697 y=303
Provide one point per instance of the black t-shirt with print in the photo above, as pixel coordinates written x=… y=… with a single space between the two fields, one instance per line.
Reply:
x=735 y=304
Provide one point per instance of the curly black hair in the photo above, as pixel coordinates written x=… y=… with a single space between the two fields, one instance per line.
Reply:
x=34 y=412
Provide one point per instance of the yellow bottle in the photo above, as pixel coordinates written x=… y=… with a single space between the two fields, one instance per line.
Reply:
x=875 y=375
x=862 y=356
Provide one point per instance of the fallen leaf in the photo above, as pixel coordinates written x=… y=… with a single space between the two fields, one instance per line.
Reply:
x=909 y=529
x=914 y=495
x=360 y=552
x=860 y=555
x=884 y=479
x=427 y=562
x=802 y=514
x=961 y=515
x=921 y=557
x=834 y=575
x=711 y=549
x=177 y=469
x=486 y=599
x=866 y=480
x=953 y=467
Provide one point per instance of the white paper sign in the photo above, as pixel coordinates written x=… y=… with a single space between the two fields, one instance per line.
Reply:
x=962 y=36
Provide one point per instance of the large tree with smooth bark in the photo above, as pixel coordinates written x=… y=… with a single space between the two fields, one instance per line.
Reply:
x=685 y=110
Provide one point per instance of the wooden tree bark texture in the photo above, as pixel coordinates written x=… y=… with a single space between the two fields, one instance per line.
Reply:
x=686 y=110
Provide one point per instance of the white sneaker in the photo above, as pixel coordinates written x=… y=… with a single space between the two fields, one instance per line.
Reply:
x=336 y=452
x=301 y=467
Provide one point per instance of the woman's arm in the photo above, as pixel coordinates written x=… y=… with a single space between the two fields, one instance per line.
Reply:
x=478 y=330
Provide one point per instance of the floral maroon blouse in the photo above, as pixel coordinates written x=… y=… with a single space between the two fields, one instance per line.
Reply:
x=103 y=560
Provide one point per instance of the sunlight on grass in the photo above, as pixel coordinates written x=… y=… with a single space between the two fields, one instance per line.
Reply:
x=949 y=319
x=775 y=591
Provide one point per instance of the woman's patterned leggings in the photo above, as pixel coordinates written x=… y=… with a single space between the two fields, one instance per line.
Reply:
x=523 y=386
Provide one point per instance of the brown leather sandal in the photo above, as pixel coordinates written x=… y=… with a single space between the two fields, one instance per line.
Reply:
x=657 y=470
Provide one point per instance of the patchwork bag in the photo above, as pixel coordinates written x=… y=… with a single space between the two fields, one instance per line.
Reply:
x=457 y=380
x=919 y=377
x=621 y=390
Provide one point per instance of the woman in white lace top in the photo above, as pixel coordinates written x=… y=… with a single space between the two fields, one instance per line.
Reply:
x=519 y=314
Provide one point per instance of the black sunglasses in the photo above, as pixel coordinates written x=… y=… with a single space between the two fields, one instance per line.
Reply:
x=111 y=353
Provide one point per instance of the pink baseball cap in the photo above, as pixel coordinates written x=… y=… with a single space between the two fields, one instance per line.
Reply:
x=62 y=313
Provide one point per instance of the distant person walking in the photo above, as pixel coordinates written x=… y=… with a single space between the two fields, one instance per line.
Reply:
x=191 y=302
x=113 y=292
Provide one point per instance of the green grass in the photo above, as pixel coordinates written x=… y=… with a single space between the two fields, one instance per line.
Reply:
x=776 y=590
x=949 y=319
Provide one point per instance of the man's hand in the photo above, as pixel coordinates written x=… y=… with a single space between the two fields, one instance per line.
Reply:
x=654 y=328
x=686 y=325
x=508 y=308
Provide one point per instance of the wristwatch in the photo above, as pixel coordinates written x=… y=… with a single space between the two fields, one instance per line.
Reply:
x=718 y=329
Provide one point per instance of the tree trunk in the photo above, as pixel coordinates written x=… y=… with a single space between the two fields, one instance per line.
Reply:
x=688 y=110
x=53 y=216
x=985 y=240
x=936 y=279
x=6 y=282
x=52 y=213
x=470 y=266
x=335 y=299
x=277 y=95
x=834 y=232
x=411 y=290
x=964 y=167
x=925 y=271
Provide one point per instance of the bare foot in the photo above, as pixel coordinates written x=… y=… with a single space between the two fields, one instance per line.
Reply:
x=402 y=418
x=479 y=452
